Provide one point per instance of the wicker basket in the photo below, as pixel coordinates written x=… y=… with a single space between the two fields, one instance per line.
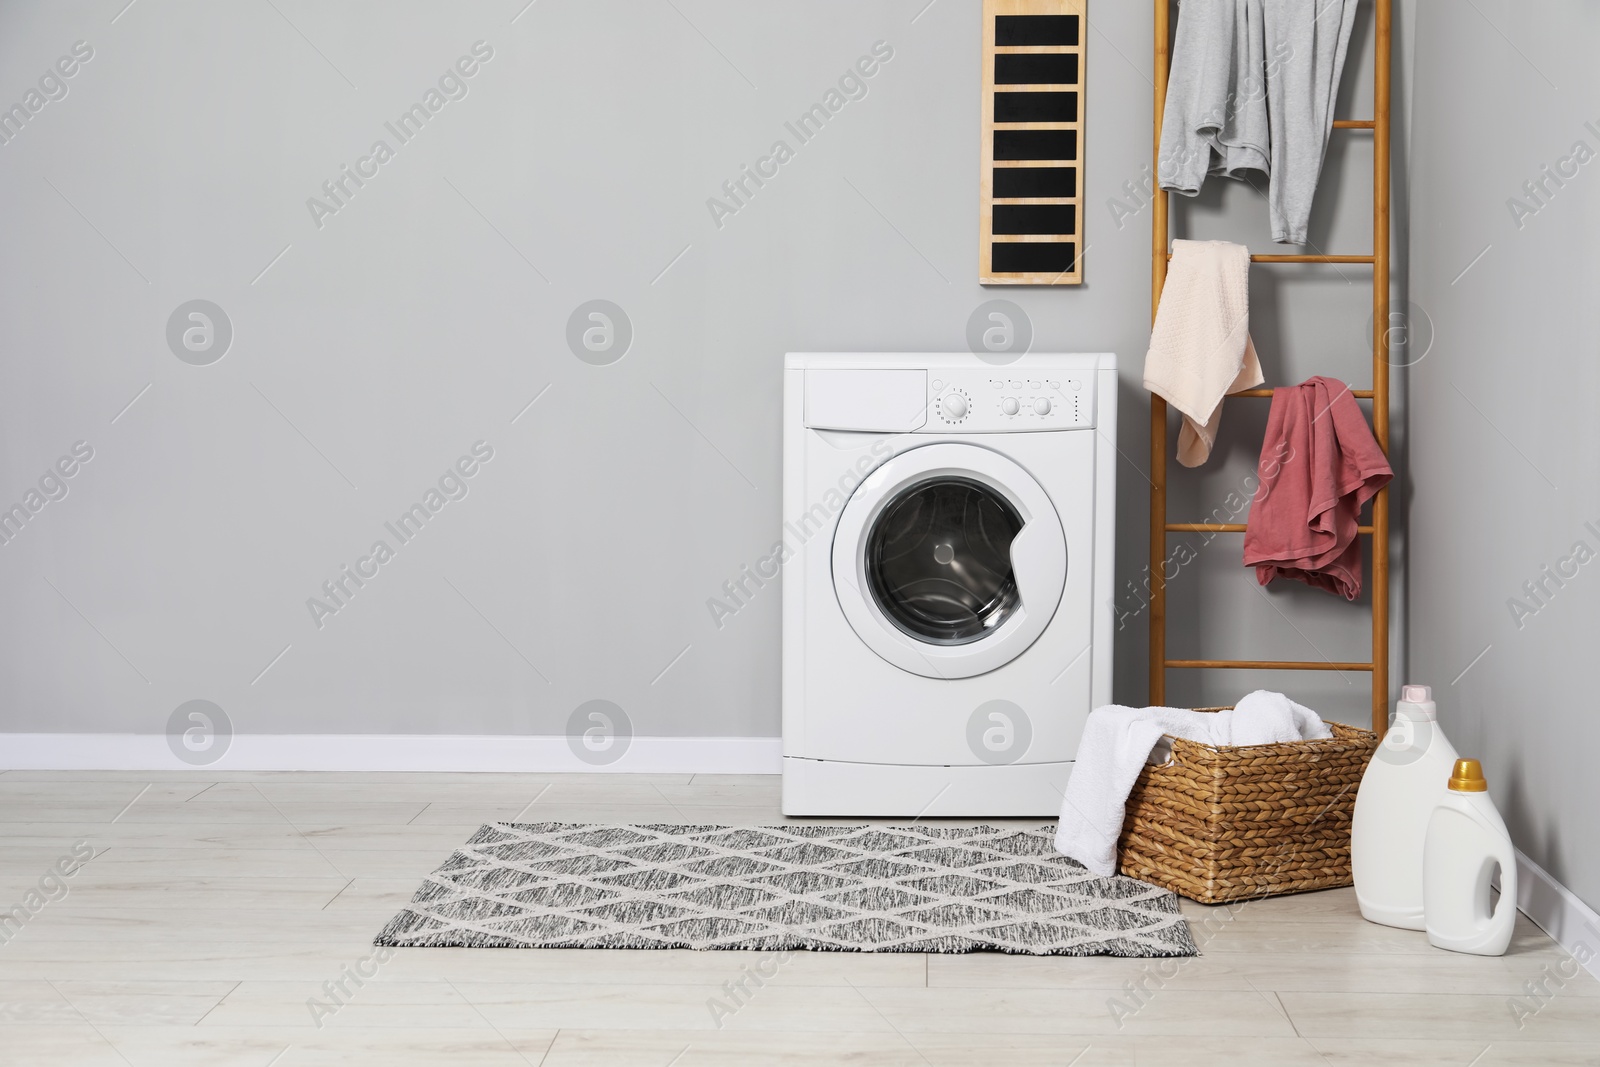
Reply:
x=1223 y=824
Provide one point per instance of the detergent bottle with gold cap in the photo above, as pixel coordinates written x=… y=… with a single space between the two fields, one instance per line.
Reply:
x=1467 y=842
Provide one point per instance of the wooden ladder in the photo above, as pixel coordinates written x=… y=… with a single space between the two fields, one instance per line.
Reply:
x=1378 y=394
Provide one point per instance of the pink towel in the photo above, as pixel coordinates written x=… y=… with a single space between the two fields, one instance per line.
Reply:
x=1319 y=465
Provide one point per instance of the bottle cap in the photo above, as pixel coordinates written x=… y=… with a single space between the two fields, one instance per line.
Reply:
x=1468 y=777
x=1416 y=694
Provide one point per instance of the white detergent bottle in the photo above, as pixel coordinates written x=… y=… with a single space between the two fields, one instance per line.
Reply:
x=1403 y=783
x=1467 y=841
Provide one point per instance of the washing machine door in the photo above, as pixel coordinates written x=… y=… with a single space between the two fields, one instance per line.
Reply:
x=949 y=560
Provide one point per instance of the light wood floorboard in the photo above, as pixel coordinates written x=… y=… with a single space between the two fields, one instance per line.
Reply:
x=218 y=907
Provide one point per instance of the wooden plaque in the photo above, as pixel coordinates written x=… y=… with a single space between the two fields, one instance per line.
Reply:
x=1031 y=189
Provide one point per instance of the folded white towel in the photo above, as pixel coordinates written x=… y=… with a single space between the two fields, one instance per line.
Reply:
x=1118 y=741
x=1200 y=347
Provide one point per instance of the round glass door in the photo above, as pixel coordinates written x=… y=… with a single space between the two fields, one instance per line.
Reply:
x=938 y=560
x=949 y=560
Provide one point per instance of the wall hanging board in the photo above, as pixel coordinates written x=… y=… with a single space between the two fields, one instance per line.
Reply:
x=1030 y=221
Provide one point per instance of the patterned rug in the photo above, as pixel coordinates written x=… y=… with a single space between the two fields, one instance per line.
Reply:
x=841 y=888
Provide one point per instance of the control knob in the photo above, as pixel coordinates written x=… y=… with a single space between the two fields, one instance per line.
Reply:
x=1042 y=405
x=955 y=407
x=1009 y=405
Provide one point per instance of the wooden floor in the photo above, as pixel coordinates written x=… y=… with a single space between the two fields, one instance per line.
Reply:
x=217 y=905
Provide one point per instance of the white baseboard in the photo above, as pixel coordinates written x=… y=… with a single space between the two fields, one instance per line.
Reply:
x=1554 y=908
x=390 y=752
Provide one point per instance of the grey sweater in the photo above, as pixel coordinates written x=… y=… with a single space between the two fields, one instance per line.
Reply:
x=1311 y=37
x=1252 y=87
x=1216 y=114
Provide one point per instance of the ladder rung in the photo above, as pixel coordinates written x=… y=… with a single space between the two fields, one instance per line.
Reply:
x=1303 y=258
x=1225 y=527
x=1298 y=258
x=1354 y=124
x=1359 y=394
x=1271 y=665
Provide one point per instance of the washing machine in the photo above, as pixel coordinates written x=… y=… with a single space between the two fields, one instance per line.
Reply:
x=947 y=579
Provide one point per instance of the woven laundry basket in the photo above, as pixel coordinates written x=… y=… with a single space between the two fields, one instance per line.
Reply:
x=1222 y=824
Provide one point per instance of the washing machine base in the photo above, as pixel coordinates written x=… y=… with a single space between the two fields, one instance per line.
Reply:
x=834 y=787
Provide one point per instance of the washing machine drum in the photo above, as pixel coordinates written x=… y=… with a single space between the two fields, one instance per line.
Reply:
x=949 y=560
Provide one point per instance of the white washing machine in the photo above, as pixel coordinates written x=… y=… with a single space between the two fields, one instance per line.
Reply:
x=947 y=586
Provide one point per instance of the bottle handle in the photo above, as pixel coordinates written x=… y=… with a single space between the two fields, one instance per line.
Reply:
x=1507 y=860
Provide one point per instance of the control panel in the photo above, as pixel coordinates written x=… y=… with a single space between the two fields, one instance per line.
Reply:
x=994 y=402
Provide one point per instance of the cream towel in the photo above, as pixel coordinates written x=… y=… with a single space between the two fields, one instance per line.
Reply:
x=1200 y=348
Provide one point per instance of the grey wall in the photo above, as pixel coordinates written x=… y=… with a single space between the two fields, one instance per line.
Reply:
x=371 y=351
x=1505 y=458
